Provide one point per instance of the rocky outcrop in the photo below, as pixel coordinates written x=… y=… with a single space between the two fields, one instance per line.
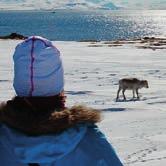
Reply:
x=15 y=36
x=153 y=43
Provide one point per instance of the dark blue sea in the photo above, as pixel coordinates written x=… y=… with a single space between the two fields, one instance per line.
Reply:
x=68 y=25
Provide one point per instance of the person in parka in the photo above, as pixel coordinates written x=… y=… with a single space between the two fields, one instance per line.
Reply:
x=36 y=129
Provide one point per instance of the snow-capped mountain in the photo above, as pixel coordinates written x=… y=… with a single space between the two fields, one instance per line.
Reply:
x=82 y=4
x=56 y=4
x=141 y=4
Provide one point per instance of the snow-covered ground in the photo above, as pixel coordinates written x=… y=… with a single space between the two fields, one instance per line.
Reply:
x=137 y=129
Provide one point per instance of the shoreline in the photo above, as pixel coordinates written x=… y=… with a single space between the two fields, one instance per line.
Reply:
x=153 y=43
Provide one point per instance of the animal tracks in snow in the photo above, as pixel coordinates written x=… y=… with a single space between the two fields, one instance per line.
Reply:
x=140 y=156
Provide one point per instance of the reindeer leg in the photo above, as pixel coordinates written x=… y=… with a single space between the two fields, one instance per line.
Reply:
x=137 y=93
x=123 y=91
x=133 y=93
x=118 y=94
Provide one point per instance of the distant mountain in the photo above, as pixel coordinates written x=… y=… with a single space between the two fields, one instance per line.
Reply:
x=56 y=4
x=109 y=6
x=140 y=4
x=81 y=4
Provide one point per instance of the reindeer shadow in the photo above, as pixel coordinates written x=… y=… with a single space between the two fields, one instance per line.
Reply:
x=78 y=92
x=127 y=100
x=114 y=109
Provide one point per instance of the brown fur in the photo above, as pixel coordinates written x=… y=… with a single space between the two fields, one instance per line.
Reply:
x=30 y=121
x=132 y=84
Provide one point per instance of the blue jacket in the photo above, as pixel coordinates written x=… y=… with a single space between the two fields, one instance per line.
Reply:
x=83 y=145
x=40 y=133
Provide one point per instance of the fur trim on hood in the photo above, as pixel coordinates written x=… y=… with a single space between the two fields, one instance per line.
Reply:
x=23 y=117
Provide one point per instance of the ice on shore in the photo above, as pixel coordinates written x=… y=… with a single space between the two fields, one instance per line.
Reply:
x=137 y=129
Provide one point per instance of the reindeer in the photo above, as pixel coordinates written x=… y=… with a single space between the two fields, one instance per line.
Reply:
x=131 y=84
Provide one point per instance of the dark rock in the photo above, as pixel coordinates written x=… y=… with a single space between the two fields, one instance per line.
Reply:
x=15 y=36
x=96 y=45
x=90 y=40
x=114 y=45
